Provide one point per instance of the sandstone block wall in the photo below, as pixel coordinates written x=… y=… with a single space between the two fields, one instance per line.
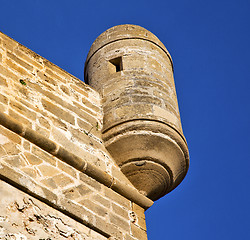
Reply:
x=47 y=116
x=24 y=217
x=52 y=102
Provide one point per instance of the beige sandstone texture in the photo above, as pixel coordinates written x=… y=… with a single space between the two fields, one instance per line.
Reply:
x=85 y=162
x=23 y=217
x=133 y=72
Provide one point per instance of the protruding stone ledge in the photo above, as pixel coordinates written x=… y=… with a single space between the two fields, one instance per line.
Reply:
x=80 y=164
x=158 y=160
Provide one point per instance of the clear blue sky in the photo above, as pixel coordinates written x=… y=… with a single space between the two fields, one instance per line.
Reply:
x=209 y=43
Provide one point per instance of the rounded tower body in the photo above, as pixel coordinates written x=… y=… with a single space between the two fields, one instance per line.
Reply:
x=133 y=72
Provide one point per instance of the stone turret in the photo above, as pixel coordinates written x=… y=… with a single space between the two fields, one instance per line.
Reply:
x=133 y=72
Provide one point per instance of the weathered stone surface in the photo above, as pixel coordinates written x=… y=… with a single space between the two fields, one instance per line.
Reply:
x=30 y=171
x=47 y=170
x=20 y=118
x=138 y=233
x=11 y=148
x=43 y=155
x=101 y=200
x=62 y=180
x=90 y=181
x=19 y=61
x=10 y=135
x=125 y=65
x=138 y=213
x=3 y=82
x=41 y=96
x=58 y=111
x=70 y=134
x=33 y=159
x=16 y=161
x=67 y=168
x=123 y=212
x=99 y=210
x=120 y=222
x=24 y=217
x=115 y=197
x=20 y=70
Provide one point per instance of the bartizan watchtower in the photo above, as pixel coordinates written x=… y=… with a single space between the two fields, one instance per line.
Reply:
x=84 y=161
x=133 y=72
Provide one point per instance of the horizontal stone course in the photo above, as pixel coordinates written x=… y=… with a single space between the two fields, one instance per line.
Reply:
x=53 y=75
x=101 y=200
x=19 y=61
x=110 y=229
x=19 y=70
x=31 y=115
x=47 y=170
x=90 y=181
x=33 y=159
x=20 y=118
x=3 y=108
x=46 y=80
x=120 y=222
x=121 y=211
x=46 y=157
x=10 y=135
x=59 y=112
x=7 y=73
x=97 y=209
x=115 y=197
x=30 y=171
x=62 y=180
x=3 y=99
x=138 y=233
x=52 y=105
x=8 y=43
x=27 y=58
x=67 y=168
x=72 y=193
x=93 y=206
x=3 y=82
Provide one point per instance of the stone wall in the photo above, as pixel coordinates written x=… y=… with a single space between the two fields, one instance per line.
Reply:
x=24 y=217
x=52 y=102
x=51 y=149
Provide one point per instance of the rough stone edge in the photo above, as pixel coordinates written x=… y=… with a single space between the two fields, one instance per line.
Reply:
x=80 y=164
x=44 y=209
x=151 y=38
x=86 y=86
x=51 y=201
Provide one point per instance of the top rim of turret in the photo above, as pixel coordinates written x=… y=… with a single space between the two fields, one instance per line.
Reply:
x=125 y=31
